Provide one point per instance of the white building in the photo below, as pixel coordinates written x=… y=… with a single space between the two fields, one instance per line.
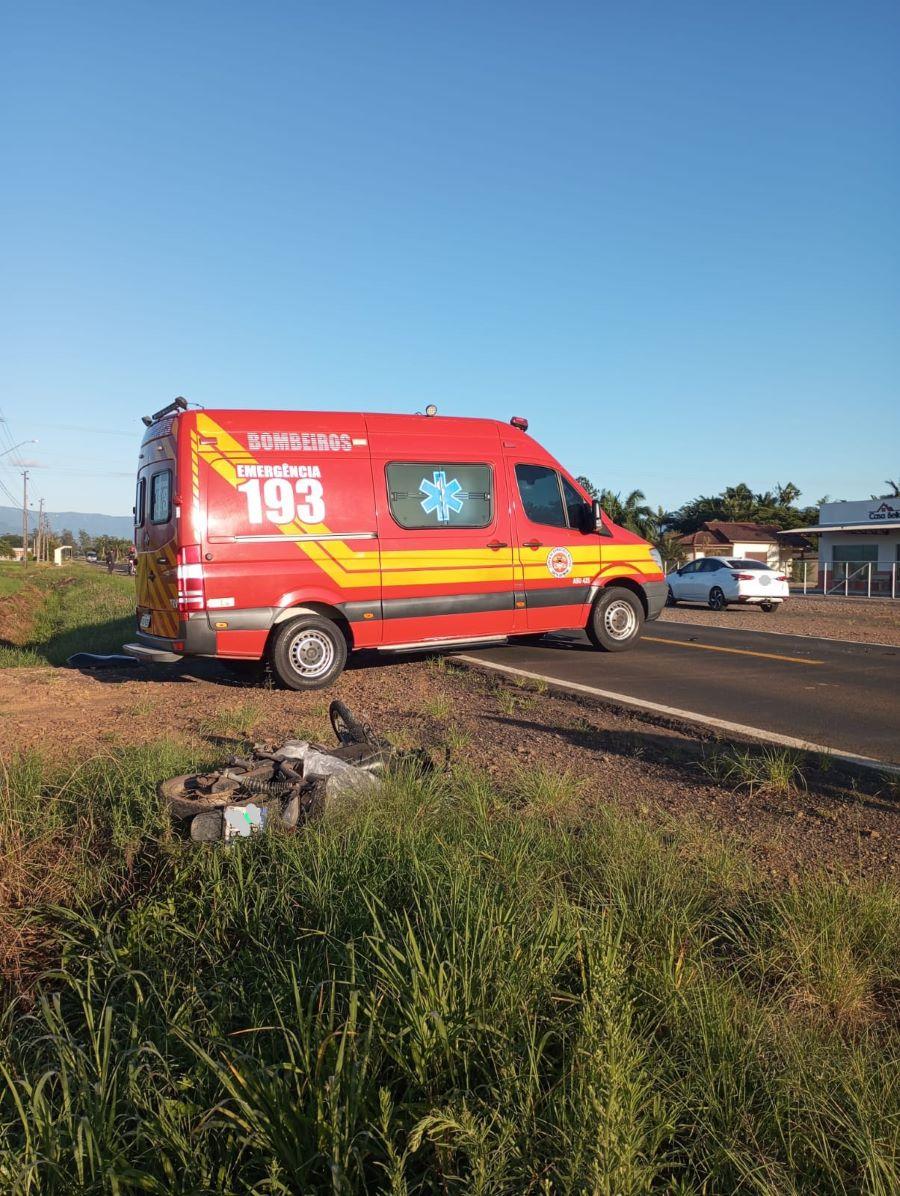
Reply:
x=859 y=546
x=753 y=541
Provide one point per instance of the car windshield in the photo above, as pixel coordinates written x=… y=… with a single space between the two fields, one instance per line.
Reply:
x=741 y=564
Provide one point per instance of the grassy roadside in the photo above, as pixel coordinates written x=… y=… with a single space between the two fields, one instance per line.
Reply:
x=455 y=987
x=11 y=579
x=61 y=611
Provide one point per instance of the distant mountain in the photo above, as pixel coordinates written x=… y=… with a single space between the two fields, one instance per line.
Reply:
x=94 y=524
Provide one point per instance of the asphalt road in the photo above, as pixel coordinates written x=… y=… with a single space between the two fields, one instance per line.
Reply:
x=838 y=695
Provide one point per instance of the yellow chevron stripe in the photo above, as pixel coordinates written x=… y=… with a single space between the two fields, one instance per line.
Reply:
x=223 y=459
x=351 y=568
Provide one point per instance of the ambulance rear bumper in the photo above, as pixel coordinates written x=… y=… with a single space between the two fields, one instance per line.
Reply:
x=150 y=655
x=195 y=634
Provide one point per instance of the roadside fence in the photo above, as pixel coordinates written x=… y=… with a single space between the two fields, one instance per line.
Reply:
x=846 y=579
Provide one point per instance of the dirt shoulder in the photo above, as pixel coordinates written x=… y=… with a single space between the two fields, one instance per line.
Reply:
x=829 y=820
x=830 y=618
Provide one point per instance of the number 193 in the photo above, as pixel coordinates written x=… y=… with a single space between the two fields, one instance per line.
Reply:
x=275 y=499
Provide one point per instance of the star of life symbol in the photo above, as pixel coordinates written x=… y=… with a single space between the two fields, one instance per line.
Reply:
x=442 y=496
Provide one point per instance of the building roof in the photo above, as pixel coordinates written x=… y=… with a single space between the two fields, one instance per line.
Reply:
x=883 y=525
x=748 y=533
x=717 y=531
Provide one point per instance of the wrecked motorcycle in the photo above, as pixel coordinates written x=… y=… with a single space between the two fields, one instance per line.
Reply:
x=288 y=784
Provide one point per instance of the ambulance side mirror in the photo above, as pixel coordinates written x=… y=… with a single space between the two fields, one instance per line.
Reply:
x=597 y=519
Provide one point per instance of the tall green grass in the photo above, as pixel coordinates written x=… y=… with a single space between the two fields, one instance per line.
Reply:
x=11 y=577
x=77 y=609
x=446 y=988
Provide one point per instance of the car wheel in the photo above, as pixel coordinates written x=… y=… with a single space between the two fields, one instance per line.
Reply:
x=769 y=607
x=308 y=652
x=616 y=620
x=671 y=600
x=717 y=600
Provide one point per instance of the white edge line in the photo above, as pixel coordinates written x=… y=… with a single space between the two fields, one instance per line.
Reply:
x=690 y=716
x=784 y=634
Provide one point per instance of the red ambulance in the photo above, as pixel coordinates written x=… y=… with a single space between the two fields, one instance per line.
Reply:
x=300 y=536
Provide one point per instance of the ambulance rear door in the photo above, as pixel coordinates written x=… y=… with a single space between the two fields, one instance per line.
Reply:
x=154 y=535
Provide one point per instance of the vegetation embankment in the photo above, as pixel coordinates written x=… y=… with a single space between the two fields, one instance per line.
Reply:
x=457 y=986
x=48 y=613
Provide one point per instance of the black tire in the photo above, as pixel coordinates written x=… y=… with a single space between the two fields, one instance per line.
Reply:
x=616 y=621
x=308 y=652
x=770 y=607
x=717 y=599
x=671 y=600
x=346 y=725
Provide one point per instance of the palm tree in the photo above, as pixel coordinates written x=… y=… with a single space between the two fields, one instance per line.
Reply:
x=631 y=512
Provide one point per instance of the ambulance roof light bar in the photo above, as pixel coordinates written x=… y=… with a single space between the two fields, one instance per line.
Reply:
x=179 y=404
x=519 y=422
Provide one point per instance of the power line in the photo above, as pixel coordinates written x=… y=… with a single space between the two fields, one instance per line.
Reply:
x=132 y=435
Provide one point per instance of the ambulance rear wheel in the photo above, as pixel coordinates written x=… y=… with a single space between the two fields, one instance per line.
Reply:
x=616 y=621
x=308 y=652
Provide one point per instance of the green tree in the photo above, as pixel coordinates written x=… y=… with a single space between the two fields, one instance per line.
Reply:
x=739 y=504
x=893 y=489
x=670 y=547
x=631 y=512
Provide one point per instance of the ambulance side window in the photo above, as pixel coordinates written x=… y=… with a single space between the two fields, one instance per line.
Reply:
x=161 y=497
x=440 y=494
x=540 y=494
x=577 y=510
x=139 y=503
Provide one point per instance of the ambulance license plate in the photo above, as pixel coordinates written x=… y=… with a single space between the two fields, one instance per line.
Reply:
x=145 y=621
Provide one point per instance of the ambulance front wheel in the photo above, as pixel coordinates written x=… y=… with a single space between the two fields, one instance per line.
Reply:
x=617 y=620
x=308 y=652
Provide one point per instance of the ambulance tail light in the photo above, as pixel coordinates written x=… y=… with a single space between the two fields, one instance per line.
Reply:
x=189 y=571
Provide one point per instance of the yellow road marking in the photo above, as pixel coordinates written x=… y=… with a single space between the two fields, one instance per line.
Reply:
x=658 y=639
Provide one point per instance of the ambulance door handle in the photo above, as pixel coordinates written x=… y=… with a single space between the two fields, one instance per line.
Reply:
x=496 y=545
x=532 y=544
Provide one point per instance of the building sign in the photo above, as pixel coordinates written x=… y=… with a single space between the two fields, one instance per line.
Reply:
x=885 y=511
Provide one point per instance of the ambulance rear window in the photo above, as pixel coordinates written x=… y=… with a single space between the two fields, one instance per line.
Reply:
x=440 y=494
x=161 y=497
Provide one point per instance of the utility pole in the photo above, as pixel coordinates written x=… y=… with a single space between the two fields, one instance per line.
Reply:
x=39 y=547
x=24 y=518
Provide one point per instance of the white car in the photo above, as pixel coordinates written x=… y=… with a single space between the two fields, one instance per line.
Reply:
x=719 y=580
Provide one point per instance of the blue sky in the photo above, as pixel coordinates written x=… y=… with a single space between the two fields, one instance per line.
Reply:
x=666 y=233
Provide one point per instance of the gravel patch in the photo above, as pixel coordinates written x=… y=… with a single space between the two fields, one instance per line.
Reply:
x=828 y=618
